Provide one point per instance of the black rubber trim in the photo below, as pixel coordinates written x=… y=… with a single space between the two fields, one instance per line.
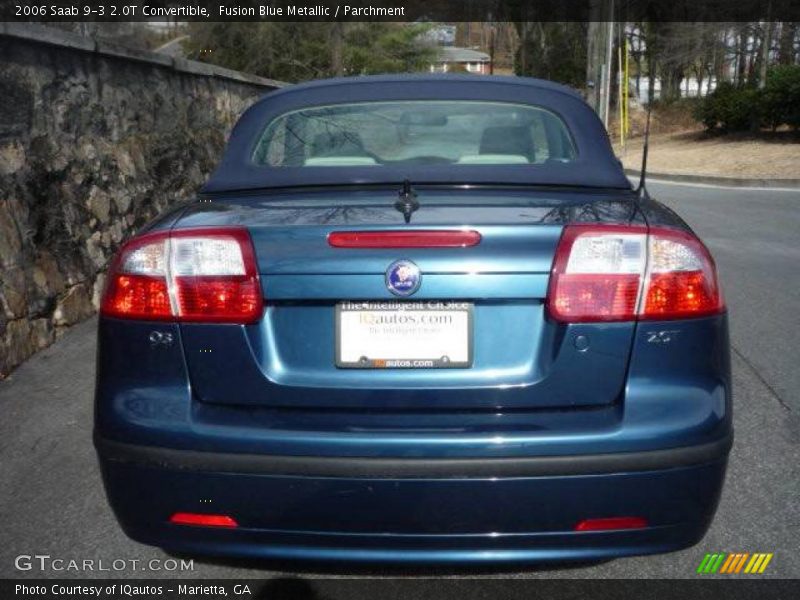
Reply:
x=404 y=468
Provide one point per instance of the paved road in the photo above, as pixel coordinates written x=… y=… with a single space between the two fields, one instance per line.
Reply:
x=51 y=501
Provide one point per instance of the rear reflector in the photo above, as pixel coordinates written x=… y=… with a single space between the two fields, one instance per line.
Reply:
x=611 y=523
x=625 y=273
x=435 y=238
x=183 y=518
x=186 y=275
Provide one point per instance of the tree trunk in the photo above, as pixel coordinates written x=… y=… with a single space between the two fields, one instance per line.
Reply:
x=764 y=55
x=337 y=48
x=786 y=44
x=721 y=66
x=671 y=84
x=492 y=48
x=594 y=61
x=523 y=52
x=638 y=77
x=741 y=57
x=614 y=74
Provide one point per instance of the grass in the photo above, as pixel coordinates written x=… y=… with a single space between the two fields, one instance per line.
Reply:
x=680 y=145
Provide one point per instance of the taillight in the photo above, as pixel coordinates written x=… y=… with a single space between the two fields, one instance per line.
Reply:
x=186 y=275
x=624 y=273
x=681 y=279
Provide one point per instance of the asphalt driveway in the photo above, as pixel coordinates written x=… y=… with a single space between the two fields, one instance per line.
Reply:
x=52 y=502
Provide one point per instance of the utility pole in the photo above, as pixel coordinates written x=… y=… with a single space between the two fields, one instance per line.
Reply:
x=594 y=58
x=608 y=70
x=600 y=44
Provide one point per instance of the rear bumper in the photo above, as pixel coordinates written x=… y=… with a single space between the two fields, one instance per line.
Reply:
x=403 y=468
x=413 y=510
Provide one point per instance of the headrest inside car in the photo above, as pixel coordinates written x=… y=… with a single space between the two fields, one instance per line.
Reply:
x=508 y=140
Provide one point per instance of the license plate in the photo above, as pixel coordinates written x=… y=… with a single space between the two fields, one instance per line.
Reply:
x=403 y=335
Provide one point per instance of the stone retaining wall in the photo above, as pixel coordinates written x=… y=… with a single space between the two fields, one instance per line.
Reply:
x=95 y=140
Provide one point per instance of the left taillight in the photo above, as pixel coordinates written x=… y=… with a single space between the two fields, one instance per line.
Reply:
x=206 y=275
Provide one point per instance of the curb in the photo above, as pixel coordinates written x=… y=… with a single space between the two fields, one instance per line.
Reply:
x=721 y=181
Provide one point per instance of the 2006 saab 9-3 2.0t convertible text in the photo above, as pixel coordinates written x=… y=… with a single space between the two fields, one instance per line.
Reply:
x=415 y=319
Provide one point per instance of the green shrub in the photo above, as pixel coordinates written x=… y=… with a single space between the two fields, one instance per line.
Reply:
x=707 y=110
x=738 y=108
x=731 y=108
x=782 y=97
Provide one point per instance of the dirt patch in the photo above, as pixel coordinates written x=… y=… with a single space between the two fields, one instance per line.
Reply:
x=666 y=118
x=772 y=155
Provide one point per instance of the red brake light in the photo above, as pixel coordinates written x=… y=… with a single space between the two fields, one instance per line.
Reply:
x=597 y=273
x=218 y=298
x=186 y=275
x=136 y=285
x=183 y=518
x=623 y=273
x=138 y=296
x=611 y=523
x=435 y=238
x=681 y=278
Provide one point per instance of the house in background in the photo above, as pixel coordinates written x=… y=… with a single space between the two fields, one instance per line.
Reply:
x=454 y=59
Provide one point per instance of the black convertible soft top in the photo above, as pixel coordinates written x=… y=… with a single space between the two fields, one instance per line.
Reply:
x=595 y=165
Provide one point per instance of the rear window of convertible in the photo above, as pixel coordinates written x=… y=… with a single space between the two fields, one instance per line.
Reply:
x=415 y=132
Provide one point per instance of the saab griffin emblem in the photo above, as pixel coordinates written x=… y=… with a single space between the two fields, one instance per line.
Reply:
x=403 y=278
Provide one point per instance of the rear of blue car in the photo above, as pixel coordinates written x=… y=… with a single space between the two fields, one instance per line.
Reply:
x=508 y=373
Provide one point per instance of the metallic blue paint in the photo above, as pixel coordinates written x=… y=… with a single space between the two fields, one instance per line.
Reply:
x=145 y=397
x=435 y=520
x=536 y=389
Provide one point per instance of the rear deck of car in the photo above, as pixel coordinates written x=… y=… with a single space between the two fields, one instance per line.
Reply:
x=555 y=440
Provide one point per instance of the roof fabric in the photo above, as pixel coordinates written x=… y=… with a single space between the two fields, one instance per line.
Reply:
x=595 y=165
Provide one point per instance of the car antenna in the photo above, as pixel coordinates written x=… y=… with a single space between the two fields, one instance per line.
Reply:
x=641 y=191
x=407 y=203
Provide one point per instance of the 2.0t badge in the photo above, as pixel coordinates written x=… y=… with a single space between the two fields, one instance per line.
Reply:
x=403 y=278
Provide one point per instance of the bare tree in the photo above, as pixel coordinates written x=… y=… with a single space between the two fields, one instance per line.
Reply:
x=787 y=40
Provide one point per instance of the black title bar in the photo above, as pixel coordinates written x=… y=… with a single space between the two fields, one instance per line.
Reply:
x=298 y=587
x=401 y=10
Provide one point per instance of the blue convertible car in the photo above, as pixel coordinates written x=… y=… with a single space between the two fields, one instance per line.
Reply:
x=415 y=319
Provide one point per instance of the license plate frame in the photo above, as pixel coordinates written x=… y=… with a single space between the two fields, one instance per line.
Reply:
x=464 y=359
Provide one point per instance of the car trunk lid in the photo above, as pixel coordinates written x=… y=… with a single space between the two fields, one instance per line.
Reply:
x=519 y=358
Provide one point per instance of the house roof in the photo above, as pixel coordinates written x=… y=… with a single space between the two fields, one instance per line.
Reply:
x=459 y=55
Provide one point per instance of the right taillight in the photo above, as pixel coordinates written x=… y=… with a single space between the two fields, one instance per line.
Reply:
x=681 y=279
x=624 y=273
